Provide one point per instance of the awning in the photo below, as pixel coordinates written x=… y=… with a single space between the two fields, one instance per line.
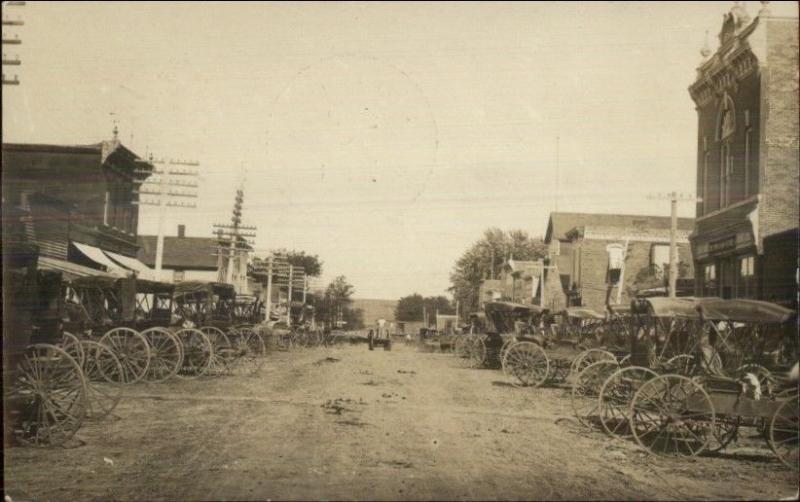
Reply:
x=97 y=256
x=142 y=270
x=70 y=270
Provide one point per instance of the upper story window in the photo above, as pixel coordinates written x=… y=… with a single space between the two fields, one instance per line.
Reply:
x=726 y=126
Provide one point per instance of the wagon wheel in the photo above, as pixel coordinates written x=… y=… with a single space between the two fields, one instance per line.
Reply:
x=526 y=363
x=166 y=354
x=506 y=345
x=616 y=395
x=224 y=352
x=784 y=433
x=464 y=351
x=255 y=343
x=588 y=357
x=49 y=397
x=132 y=350
x=681 y=364
x=477 y=352
x=247 y=360
x=586 y=389
x=459 y=345
x=104 y=374
x=72 y=346
x=672 y=414
x=198 y=352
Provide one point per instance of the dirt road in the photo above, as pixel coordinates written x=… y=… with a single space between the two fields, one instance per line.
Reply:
x=346 y=423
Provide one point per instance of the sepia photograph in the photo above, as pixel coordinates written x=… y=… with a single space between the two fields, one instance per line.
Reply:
x=411 y=250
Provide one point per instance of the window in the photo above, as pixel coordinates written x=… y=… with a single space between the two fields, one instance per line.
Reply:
x=746 y=284
x=725 y=174
x=704 y=188
x=709 y=280
x=105 y=208
x=747 y=138
x=178 y=276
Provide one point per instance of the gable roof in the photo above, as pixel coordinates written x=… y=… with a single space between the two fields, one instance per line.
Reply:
x=197 y=253
x=560 y=224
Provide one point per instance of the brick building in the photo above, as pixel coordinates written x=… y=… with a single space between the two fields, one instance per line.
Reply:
x=746 y=94
x=79 y=204
x=579 y=244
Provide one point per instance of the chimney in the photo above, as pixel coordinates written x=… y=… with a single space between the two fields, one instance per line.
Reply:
x=181 y=231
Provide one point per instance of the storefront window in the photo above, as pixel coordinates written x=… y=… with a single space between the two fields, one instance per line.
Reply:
x=710 y=280
x=746 y=283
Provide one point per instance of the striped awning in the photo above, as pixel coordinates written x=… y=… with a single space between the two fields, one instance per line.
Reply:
x=97 y=256
x=70 y=270
x=142 y=270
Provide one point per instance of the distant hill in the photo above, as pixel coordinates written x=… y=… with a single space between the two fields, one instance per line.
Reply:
x=375 y=309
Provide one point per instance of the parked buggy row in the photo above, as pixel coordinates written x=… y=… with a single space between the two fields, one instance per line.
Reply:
x=71 y=346
x=680 y=376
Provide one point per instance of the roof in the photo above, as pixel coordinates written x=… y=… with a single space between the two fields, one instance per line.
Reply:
x=525 y=268
x=194 y=253
x=560 y=224
x=123 y=157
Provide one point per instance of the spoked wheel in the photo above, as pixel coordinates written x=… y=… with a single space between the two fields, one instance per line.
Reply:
x=784 y=433
x=166 y=354
x=526 y=364
x=248 y=358
x=681 y=364
x=198 y=351
x=672 y=414
x=47 y=400
x=477 y=352
x=586 y=389
x=132 y=350
x=587 y=357
x=104 y=375
x=464 y=352
x=616 y=396
x=460 y=349
x=72 y=346
x=224 y=352
x=506 y=345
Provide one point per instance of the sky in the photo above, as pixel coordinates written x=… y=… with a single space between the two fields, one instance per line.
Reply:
x=383 y=137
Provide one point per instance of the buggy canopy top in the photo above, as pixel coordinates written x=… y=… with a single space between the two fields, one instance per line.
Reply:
x=583 y=313
x=502 y=314
x=222 y=289
x=742 y=310
x=683 y=308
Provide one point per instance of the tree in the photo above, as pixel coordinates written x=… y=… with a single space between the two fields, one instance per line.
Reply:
x=485 y=258
x=335 y=303
x=311 y=263
x=413 y=307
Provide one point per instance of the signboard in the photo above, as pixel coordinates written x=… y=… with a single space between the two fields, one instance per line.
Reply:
x=722 y=245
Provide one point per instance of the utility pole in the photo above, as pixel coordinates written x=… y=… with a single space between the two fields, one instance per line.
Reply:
x=172 y=182
x=558 y=173
x=236 y=235
x=8 y=40
x=673 y=198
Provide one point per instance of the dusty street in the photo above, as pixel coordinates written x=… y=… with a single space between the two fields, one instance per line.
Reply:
x=346 y=423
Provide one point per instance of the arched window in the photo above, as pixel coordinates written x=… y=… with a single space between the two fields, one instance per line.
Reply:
x=726 y=125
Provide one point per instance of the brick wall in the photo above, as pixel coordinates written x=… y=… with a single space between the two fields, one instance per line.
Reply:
x=594 y=269
x=779 y=210
x=779 y=268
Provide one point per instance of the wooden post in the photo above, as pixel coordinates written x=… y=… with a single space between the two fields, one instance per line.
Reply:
x=269 y=288
x=673 y=251
x=289 y=299
x=622 y=272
